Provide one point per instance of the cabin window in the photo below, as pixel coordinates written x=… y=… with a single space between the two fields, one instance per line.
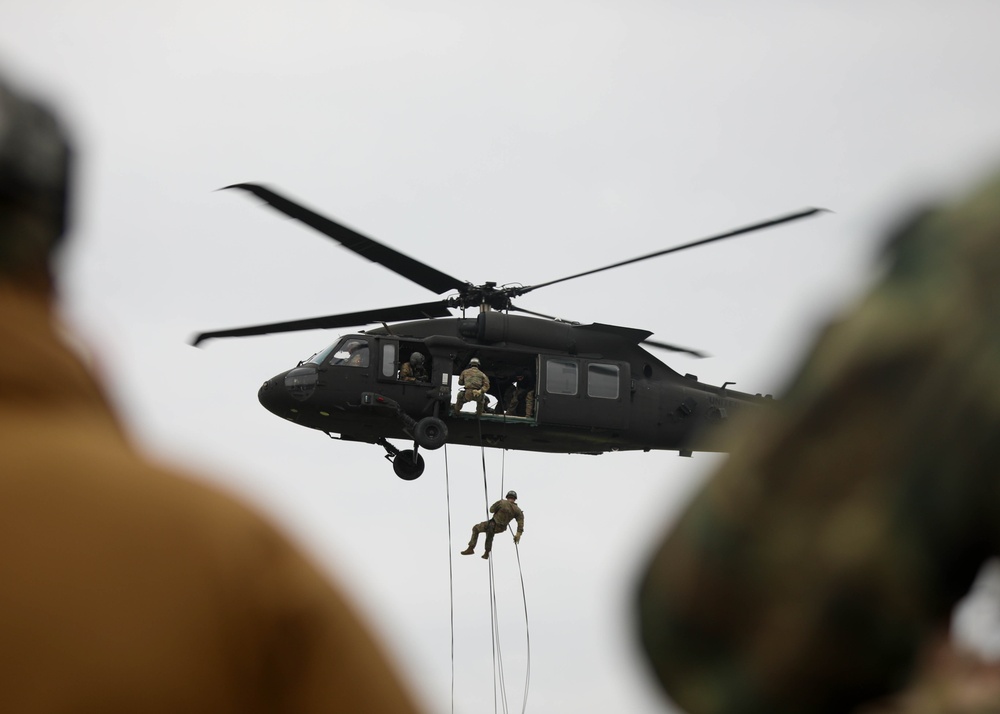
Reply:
x=602 y=381
x=389 y=359
x=560 y=377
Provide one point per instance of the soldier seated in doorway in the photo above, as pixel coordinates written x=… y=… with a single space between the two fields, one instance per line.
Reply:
x=475 y=385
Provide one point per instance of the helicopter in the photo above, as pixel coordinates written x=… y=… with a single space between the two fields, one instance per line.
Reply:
x=582 y=388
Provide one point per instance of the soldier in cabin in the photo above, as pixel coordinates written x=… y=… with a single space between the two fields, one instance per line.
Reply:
x=414 y=369
x=522 y=398
x=475 y=385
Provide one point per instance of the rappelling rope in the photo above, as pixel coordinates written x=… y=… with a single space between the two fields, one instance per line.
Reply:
x=527 y=631
x=498 y=668
x=451 y=576
x=503 y=469
x=524 y=598
x=493 y=613
x=498 y=672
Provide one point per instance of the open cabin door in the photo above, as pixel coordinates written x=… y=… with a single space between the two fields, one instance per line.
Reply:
x=582 y=392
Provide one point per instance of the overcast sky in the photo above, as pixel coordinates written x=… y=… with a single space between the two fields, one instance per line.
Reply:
x=512 y=142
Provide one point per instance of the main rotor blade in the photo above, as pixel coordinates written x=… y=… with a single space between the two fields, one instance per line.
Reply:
x=673 y=348
x=404 y=265
x=703 y=241
x=350 y=319
x=515 y=308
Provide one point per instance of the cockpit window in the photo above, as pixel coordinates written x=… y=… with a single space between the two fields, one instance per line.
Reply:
x=350 y=352
x=353 y=352
x=320 y=356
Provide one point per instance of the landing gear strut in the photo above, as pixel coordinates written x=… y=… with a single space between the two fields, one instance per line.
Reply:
x=429 y=432
x=407 y=464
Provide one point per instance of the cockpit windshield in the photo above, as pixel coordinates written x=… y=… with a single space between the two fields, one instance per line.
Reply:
x=348 y=351
x=320 y=356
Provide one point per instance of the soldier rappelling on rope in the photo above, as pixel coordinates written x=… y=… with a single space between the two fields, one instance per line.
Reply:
x=504 y=511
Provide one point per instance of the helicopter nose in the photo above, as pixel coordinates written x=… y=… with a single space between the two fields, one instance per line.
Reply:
x=270 y=397
x=282 y=394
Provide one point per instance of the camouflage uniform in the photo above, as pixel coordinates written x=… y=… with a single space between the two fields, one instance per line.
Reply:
x=504 y=511
x=476 y=385
x=411 y=373
x=849 y=521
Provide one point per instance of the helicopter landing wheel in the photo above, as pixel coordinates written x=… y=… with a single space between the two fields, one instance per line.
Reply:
x=430 y=433
x=408 y=465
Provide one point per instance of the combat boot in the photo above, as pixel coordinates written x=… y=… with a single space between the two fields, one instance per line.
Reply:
x=486 y=555
x=468 y=551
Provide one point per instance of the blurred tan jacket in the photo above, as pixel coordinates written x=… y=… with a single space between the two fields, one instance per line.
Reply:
x=125 y=587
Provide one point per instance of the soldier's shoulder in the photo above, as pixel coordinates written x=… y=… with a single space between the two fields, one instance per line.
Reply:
x=956 y=235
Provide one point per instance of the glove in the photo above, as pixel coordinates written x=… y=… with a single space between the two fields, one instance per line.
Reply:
x=517 y=538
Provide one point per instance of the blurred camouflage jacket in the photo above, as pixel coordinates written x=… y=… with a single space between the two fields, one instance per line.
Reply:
x=505 y=511
x=848 y=522
x=473 y=378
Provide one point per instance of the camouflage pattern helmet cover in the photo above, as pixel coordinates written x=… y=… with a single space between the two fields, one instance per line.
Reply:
x=417 y=358
x=474 y=362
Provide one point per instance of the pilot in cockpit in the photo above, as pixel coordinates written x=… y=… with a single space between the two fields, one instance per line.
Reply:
x=352 y=353
x=359 y=356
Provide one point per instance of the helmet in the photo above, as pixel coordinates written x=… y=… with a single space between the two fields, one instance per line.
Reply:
x=417 y=358
x=34 y=156
x=512 y=494
x=474 y=362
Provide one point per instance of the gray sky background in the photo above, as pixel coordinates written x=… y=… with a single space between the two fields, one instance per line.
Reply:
x=513 y=142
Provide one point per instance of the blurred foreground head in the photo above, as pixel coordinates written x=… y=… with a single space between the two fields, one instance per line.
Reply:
x=34 y=184
x=835 y=541
x=126 y=585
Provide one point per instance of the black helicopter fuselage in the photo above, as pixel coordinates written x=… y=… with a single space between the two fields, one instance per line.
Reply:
x=579 y=388
x=595 y=388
